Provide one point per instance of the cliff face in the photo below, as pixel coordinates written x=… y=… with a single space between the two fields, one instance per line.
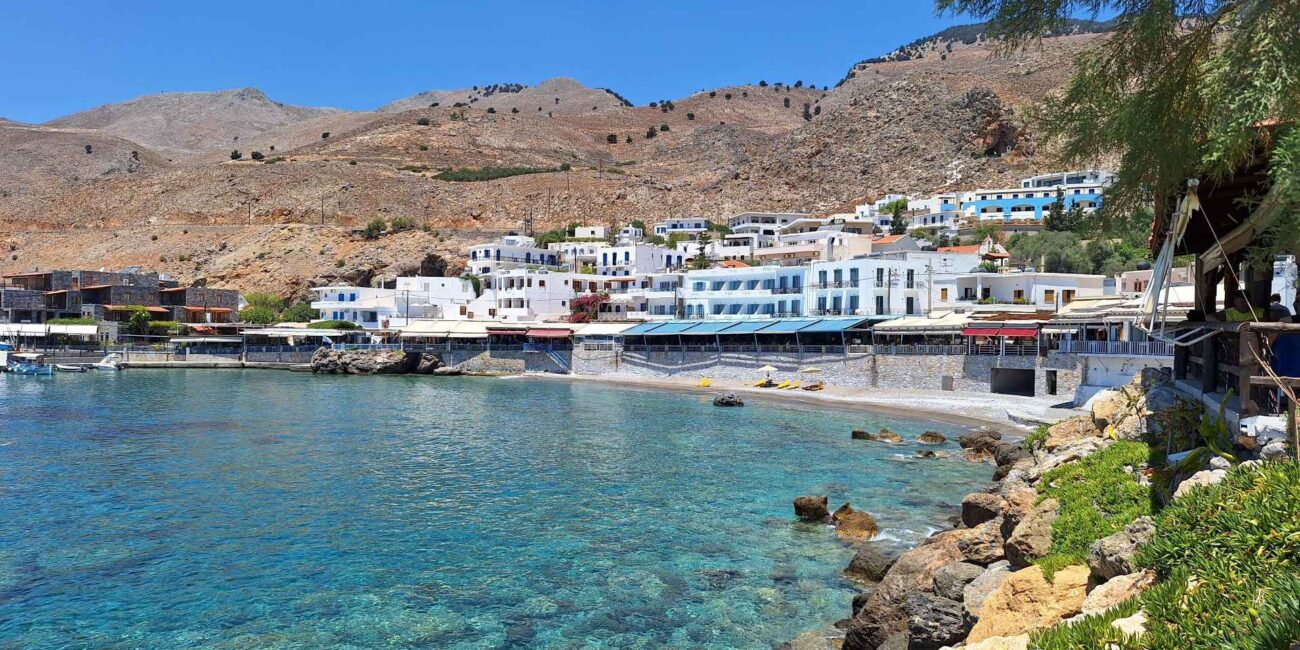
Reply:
x=931 y=122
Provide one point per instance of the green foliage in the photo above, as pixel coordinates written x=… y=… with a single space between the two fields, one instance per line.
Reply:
x=1108 y=259
x=1172 y=97
x=1228 y=557
x=637 y=223
x=374 y=229
x=984 y=231
x=257 y=155
x=1035 y=439
x=333 y=325
x=1052 y=252
x=235 y=155
x=258 y=315
x=71 y=321
x=399 y=224
x=1098 y=497
x=1091 y=633
x=263 y=299
x=476 y=281
x=299 y=312
x=720 y=228
x=470 y=175
x=424 y=121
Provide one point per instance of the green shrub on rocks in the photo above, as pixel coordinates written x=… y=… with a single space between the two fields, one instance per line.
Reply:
x=1099 y=496
x=1036 y=438
x=334 y=325
x=1093 y=633
x=1228 y=557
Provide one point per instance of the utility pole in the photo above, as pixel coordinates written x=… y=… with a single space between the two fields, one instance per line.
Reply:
x=929 y=288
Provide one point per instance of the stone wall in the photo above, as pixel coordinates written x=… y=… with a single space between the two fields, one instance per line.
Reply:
x=968 y=373
x=501 y=361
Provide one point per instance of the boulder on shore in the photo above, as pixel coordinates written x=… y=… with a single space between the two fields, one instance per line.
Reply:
x=951 y=580
x=1026 y=601
x=812 y=508
x=933 y=622
x=979 y=507
x=974 y=593
x=1032 y=539
x=1115 y=591
x=885 y=435
x=729 y=399
x=870 y=563
x=327 y=361
x=882 y=615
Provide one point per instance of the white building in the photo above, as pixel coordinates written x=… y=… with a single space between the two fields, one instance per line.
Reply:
x=637 y=258
x=576 y=255
x=642 y=297
x=630 y=235
x=755 y=292
x=868 y=286
x=412 y=298
x=510 y=252
x=1040 y=290
x=589 y=232
x=529 y=295
x=689 y=227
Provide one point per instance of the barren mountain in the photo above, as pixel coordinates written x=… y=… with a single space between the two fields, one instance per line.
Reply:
x=187 y=124
x=558 y=95
x=948 y=115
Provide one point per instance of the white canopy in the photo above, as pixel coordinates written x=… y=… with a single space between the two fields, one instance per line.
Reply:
x=42 y=329
x=949 y=322
x=207 y=339
x=601 y=329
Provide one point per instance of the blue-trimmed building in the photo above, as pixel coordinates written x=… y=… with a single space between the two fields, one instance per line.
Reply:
x=1036 y=194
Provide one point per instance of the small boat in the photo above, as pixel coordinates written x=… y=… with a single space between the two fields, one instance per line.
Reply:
x=110 y=362
x=30 y=363
x=63 y=367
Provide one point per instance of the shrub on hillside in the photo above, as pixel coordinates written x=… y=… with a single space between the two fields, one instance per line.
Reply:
x=399 y=224
x=299 y=312
x=467 y=174
x=257 y=314
x=424 y=121
x=611 y=138
x=235 y=155
x=690 y=116
x=374 y=229
x=257 y=155
x=1099 y=496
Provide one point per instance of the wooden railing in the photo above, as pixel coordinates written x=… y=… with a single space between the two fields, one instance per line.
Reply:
x=1233 y=359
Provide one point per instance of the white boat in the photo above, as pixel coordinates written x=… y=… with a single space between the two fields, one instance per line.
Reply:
x=63 y=367
x=111 y=362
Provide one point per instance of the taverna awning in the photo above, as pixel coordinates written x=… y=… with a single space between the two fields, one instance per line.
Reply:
x=41 y=329
x=602 y=329
x=947 y=323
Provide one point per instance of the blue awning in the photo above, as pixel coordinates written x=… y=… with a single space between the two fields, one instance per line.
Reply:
x=833 y=325
x=638 y=330
x=788 y=325
x=671 y=327
x=710 y=327
x=747 y=327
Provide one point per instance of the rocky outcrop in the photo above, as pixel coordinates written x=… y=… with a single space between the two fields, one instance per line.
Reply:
x=1032 y=539
x=980 y=445
x=812 y=508
x=983 y=544
x=882 y=615
x=951 y=580
x=975 y=592
x=1117 y=590
x=1202 y=478
x=1126 y=412
x=1116 y=554
x=933 y=621
x=1071 y=430
x=368 y=362
x=1017 y=642
x=980 y=507
x=870 y=563
x=885 y=435
x=1027 y=601
x=932 y=438
x=729 y=399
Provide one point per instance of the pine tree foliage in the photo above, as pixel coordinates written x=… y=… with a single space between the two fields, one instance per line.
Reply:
x=1181 y=88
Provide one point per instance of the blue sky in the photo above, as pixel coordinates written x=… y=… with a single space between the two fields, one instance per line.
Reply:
x=61 y=57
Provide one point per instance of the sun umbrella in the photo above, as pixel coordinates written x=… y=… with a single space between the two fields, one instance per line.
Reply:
x=768 y=369
x=811 y=370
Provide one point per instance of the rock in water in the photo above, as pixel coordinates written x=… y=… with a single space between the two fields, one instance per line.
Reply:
x=729 y=399
x=885 y=435
x=361 y=362
x=932 y=438
x=811 y=508
x=856 y=525
x=427 y=364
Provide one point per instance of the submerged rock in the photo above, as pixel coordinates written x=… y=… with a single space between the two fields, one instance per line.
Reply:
x=932 y=438
x=811 y=508
x=885 y=435
x=729 y=399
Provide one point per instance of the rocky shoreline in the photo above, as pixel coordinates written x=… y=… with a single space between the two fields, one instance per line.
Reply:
x=981 y=585
x=378 y=362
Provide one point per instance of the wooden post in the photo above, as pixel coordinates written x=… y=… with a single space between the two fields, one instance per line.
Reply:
x=1207 y=287
x=1247 y=367
x=1209 y=365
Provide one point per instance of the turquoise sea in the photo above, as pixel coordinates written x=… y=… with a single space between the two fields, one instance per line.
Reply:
x=258 y=509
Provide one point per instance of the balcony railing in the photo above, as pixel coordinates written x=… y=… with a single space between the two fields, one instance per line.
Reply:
x=935 y=349
x=1118 y=348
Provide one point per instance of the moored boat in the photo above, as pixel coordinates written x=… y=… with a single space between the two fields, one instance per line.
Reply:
x=64 y=367
x=113 y=361
x=30 y=363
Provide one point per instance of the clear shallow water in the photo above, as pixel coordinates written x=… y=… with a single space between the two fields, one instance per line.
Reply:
x=257 y=509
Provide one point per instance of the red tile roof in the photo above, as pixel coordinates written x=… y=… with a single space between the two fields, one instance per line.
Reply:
x=732 y=264
x=960 y=249
x=887 y=239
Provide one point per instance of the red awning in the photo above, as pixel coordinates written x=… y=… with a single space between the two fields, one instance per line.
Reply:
x=215 y=310
x=1000 y=331
x=1018 y=331
x=543 y=333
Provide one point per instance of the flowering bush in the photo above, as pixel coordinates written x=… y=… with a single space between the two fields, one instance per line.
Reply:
x=585 y=309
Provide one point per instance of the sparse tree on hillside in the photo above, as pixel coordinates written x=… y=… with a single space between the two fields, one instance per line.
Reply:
x=491 y=110
x=629 y=139
x=611 y=138
x=663 y=127
x=424 y=121
x=817 y=110
x=89 y=149
x=235 y=155
x=727 y=96
x=514 y=110
x=257 y=155
x=690 y=116
x=798 y=84
x=786 y=101
x=713 y=93
x=651 y=132
x=325 y=135
x=807 y=112
x=762 y=84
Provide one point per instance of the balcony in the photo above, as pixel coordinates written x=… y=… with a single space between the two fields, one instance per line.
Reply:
x=1117 y=348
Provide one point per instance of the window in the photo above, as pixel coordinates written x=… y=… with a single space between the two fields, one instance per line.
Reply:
x=880 y=277
x=1049 y=296
x=880 y=305
x=911 y=305
x=911 y=280
x=853 y=277
x=821 y=277
x=853 y=303
x=1018 y=294
x=1067 y=296
x=943 y=295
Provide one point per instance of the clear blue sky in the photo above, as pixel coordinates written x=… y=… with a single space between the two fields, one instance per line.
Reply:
x=61 y=57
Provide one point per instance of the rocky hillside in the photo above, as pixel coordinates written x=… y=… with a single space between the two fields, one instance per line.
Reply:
x=915 y=125
x=187 y=124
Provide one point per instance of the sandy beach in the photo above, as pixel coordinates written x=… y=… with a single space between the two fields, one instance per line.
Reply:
x=1010 y=413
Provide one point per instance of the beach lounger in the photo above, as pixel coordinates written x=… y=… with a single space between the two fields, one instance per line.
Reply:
x=784 y=384
x=816 y=386
x=794 y=385
x=706 y=382
x=762 y=383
